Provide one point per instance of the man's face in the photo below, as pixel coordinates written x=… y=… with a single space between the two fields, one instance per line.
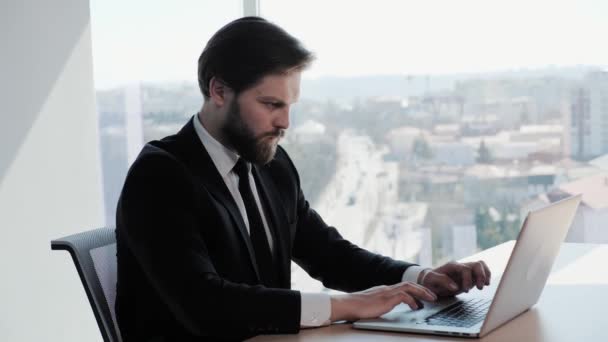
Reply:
x=258 y=117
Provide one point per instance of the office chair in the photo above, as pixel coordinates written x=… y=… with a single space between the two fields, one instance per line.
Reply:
x=94 y=255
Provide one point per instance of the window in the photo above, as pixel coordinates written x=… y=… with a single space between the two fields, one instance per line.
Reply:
x=145 y=61
x=424 y=125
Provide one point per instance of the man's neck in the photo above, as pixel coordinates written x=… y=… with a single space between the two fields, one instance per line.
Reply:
x=213 y=125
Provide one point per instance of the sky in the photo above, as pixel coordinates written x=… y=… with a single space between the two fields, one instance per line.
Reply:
x=159 y=40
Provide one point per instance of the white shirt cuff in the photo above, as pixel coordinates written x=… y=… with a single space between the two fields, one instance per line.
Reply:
x=412 y=272
x=316 y=309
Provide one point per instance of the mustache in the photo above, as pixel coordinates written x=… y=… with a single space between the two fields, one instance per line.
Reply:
x=279 y=133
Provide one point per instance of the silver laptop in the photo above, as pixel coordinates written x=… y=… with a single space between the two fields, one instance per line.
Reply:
x=476 y=313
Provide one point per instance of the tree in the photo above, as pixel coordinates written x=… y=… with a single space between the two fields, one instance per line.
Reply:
x=483 y=154
x=421 y=148
x=488 y=234
x=493 y=231
x=510 y=224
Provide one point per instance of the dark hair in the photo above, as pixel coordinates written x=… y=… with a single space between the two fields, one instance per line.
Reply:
x=247 y=49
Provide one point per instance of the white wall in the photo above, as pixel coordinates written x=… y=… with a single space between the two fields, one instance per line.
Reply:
x=49 y=167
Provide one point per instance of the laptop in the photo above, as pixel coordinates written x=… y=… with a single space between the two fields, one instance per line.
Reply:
x=477 y=313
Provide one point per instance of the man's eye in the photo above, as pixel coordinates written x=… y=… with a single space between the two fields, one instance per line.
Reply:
x=273 y=105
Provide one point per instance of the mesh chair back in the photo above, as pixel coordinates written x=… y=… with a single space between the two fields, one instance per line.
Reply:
x=94 y=255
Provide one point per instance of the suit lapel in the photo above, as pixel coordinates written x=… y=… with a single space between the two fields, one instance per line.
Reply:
x=269 y=195
x=203 y=167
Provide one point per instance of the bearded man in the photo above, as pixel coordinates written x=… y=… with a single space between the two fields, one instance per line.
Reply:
x=209 y=219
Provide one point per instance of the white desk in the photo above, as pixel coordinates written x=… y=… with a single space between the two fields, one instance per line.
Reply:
x=572 y=307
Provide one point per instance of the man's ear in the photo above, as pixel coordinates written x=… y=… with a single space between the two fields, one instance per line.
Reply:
x=218 y=91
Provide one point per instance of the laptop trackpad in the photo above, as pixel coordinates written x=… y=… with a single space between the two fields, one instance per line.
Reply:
x=403 y=313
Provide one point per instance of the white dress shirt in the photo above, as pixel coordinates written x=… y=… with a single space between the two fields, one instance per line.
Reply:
x=315 y=307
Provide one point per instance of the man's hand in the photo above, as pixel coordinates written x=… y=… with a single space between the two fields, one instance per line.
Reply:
x=377 y=301
x=454 y=278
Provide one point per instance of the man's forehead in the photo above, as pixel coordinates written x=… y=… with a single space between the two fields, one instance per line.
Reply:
x=284 y=86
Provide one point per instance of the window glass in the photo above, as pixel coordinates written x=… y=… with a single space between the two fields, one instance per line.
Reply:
x=426 y=130
x=145 y=57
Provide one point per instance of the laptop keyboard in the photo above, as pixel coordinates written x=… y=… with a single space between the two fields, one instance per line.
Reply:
x=464 y=313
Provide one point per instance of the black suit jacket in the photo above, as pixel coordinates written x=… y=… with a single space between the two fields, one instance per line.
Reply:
x=186 y=267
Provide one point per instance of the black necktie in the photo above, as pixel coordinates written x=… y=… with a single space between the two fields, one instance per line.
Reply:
x=257 y=233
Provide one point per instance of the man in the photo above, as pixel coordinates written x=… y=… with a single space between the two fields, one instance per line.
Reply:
x=210 y=218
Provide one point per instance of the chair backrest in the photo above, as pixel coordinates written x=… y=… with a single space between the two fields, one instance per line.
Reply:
x=94 y=255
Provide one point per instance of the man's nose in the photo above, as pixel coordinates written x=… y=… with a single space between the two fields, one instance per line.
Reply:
x=282 y=119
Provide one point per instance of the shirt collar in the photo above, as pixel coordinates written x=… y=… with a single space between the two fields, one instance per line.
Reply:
x=223 y=158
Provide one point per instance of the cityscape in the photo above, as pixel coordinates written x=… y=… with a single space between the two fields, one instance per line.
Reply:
x=418 y=167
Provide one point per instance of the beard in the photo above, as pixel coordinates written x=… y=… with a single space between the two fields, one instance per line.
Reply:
x=255 y=149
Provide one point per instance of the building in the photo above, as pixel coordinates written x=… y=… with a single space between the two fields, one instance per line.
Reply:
x=121 y=132
x=539 y=142
x=401 y=140
x=452 y=152
x=600 y=162
x=489 y=184
x=464 y=241
x=399 y=232
x=588 y=121
x=589 y=223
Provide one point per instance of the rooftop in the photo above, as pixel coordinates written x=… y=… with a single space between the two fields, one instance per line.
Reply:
x=593 y=188
x=600 y=162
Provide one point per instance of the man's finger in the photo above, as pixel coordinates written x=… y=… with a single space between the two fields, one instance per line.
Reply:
x=479 y=275
x=487 y=272
x=403 y=297
x=466 y=276
x=441 y=283
x=417 y=291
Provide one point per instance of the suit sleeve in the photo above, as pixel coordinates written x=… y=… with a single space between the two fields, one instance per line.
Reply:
x=160 y=221
x=322 y=252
